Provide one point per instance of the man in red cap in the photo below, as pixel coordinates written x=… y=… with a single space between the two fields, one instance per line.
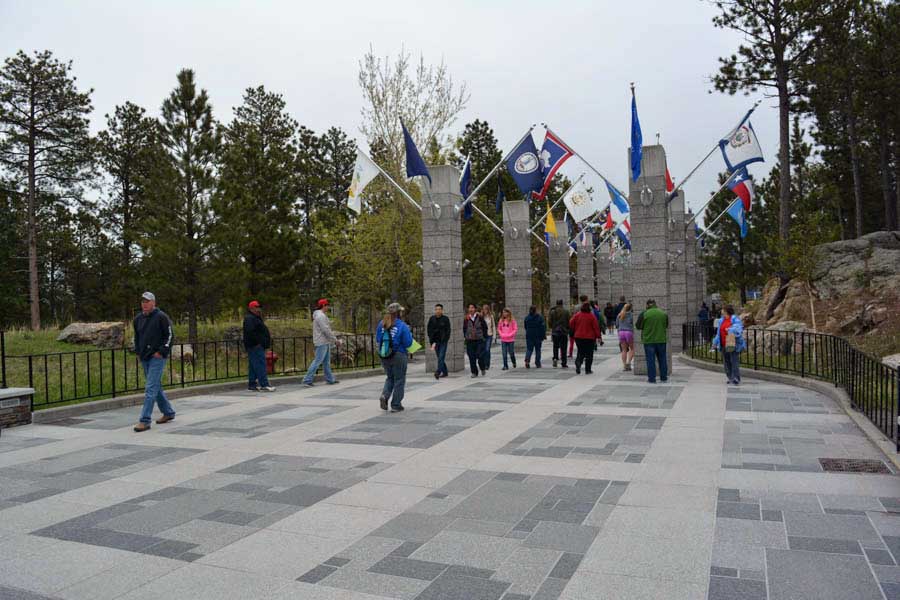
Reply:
x=323 y=338
x=256 y=340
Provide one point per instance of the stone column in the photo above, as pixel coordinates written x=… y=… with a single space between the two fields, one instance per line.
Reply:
x=691 y=270
x=517 y=254
x=15 y=406
x=559 y=272
x=678 y=309
x=585 y=256
x=441 y=261
x=649 y=241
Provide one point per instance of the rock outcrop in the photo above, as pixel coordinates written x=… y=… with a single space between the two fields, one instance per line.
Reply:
x=870 y=264
x=105 y=335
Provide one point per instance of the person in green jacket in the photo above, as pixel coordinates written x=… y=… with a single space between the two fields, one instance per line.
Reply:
x=559 y=331
x=653 y=324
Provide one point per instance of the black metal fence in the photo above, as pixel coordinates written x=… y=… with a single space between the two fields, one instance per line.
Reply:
x=61 y=378
x=873 y=387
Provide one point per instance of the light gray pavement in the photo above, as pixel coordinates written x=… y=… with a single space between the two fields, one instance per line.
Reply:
x=523 y=485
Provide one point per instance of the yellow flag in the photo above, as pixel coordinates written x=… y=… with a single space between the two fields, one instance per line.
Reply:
x=550 y=224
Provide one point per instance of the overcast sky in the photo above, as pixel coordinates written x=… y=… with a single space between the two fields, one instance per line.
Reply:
x=566 y=63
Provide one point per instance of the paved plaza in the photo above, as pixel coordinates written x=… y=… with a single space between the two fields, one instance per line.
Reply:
x=524 y=485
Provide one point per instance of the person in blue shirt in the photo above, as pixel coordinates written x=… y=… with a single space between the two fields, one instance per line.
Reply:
x=397 y=358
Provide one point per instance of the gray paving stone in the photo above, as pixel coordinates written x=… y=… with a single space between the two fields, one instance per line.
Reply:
x=728 y=588
x=566 y=566
x=409 y=568
x=801 y=575
x=738 y=510
x=456 y=587
x=824 y=545
x=413 y=527
x=11 y=593
x=230 y=516
x=879 y=557
x=842 y=527
x=550 y=589
x=317 y=574
x=562 y=536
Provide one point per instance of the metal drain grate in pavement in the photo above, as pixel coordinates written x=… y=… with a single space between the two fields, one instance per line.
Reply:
x=853 y=465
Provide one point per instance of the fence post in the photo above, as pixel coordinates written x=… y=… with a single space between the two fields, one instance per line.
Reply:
x=802 y=354
x=182 y=364
x=113 y=367
x=3 y=358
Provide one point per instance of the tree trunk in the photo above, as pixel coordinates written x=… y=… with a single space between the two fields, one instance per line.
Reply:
x=784 y=153
x=887 y=189
x=854 y=168
x=34 y=295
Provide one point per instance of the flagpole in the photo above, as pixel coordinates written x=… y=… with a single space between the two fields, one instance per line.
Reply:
x=589 y=165
x=492 y=171
x=391 y=179
x=555 y=204
x=716 y=220
x=702 y=208
x=711 y=152
x=605 y=237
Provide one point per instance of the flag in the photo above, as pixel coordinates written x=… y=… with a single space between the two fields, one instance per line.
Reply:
x=579 y=201
x=637 y=140
x=618 y=205
x=550 y=223
x=741 y=147
x=609 y=221
x=364 y=171
x=415 y=166
x=524 y=167
x=585 y=238
x=670 y=185
x=570 y=227
x=498 y=203
x=554 y=153
x=736 y=212
x=741 y=184
x=465 y=186
x=623 y=232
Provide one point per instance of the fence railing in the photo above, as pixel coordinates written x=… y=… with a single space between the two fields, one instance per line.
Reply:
x=873 y=387
x=70 y=377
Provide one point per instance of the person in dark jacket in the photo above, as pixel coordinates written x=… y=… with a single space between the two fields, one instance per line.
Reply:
x=586 y=331
x=153 y=343
x=439 y=338
x=535 y=334
x=474 y=332
x=609 y=312
x=559 y=332
x=256 y=341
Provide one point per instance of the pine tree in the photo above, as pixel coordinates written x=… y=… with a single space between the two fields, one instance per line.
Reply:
x=44 y=141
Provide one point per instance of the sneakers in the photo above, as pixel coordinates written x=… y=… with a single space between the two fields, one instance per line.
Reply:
x=437 y=375
x=554 y=363
x=628 y=367
x=253 y=389
x=142 y=427
x=505 y=369
x=588 y=372
x=473 y=375
x=383 y=402
x=577 y=370
x=565 y=366
x=165 y=419
x=527 y=366
x=482 y=372
x=397 y=409
x=308 y=383
x=268 y=388
x=332 y=382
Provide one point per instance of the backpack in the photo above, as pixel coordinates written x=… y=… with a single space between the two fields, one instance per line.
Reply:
x=386 y=349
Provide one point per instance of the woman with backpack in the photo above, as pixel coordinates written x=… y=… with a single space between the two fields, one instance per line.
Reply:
x=535 y=334
x=393 y=338
x=507 y=329
x=625 y=329
x=730 y=340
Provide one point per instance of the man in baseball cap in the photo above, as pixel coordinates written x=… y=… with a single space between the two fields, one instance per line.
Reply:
x=256 y=340
x=323 y=338
x=153 y=342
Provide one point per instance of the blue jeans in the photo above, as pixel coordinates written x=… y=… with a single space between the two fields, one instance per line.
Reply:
x=395 y=381
x=535 y=347
x=153 y=391
x=323 y=357
x=256 y=357
x=509 y=350
x=656 y=352
x=441 y=351
x=732 y=361
x=486 y=357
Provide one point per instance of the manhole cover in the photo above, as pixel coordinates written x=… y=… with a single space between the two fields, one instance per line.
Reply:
x=853 y=465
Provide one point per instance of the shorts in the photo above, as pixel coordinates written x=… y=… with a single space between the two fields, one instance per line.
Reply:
x=626 y=337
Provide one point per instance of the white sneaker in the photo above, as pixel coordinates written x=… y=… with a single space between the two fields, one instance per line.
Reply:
x=268 y=388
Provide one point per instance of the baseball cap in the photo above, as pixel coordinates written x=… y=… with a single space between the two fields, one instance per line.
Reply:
x=148 y=296
x=394 y=307
x=322 y=302
x=253 y=304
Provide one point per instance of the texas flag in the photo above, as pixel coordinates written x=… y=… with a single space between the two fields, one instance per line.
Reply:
x=623 y=232
x=553 y=154
x=741 y=184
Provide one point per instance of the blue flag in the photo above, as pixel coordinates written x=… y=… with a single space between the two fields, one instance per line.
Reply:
x=736 y=212
x=500 y=197
x=618 y=205
x=414 y=164
x=465 y=187
x=637 y=140
x=525 y=168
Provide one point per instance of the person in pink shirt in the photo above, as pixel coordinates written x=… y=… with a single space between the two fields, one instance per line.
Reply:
x=506 y=329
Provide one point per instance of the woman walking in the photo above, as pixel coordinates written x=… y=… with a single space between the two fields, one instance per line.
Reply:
x=625 y=327
x=474 y=332
x=488 y=315
x=507 y=329
x=393 y=338
x=535 y=334
x=610 y=313
x=730 y=340
x=586 y=331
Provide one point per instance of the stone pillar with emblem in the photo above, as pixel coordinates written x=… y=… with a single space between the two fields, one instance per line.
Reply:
x=517 y=255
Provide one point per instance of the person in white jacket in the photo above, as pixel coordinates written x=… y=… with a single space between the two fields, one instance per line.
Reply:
x=323 y=338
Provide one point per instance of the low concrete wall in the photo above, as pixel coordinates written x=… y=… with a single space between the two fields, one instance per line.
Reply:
x=15 y=406
x=884 y=443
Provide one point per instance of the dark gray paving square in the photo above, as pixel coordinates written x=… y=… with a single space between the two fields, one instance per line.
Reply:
x=728 y=588
x=469 y=572
x=630 y=396
x=456 y=587
x=723 y=571
x=336 y=561
x=550 y=589
x=566 y=565
x=317 y=574
x=231 y=517
x=772 y=515
x=891 y=591
x=824 y=545
x=299 y=495
x=738 y=510
x=409 y=568
x=879 y=557
x=800 y=575
x=169 y=549
x=11 y=593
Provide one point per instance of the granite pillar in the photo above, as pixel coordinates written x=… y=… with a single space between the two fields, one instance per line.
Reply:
x=649 y=241
x=517 y=255
x=691 y=269
x=559 y=272
x=442 y=261
x=585 y=271
x=678 y=301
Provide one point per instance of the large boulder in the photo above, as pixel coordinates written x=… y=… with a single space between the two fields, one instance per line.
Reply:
x=103 y=335
x=892 y=361
x=181 y=352
x=870 y=264
x=779 y=339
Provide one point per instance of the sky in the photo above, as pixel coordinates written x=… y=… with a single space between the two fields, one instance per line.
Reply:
x=567 y=63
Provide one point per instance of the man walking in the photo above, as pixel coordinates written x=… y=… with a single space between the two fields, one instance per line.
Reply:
x=653 y=324
x=439 y=338
x=559 y=332
x=323 y=338
x=152 y=343
x=474 y=332
x=256 y=341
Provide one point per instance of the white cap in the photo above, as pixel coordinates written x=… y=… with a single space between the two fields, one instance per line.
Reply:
x=148 y=296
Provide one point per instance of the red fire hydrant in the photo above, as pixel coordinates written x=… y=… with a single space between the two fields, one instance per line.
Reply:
x=271 y=359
